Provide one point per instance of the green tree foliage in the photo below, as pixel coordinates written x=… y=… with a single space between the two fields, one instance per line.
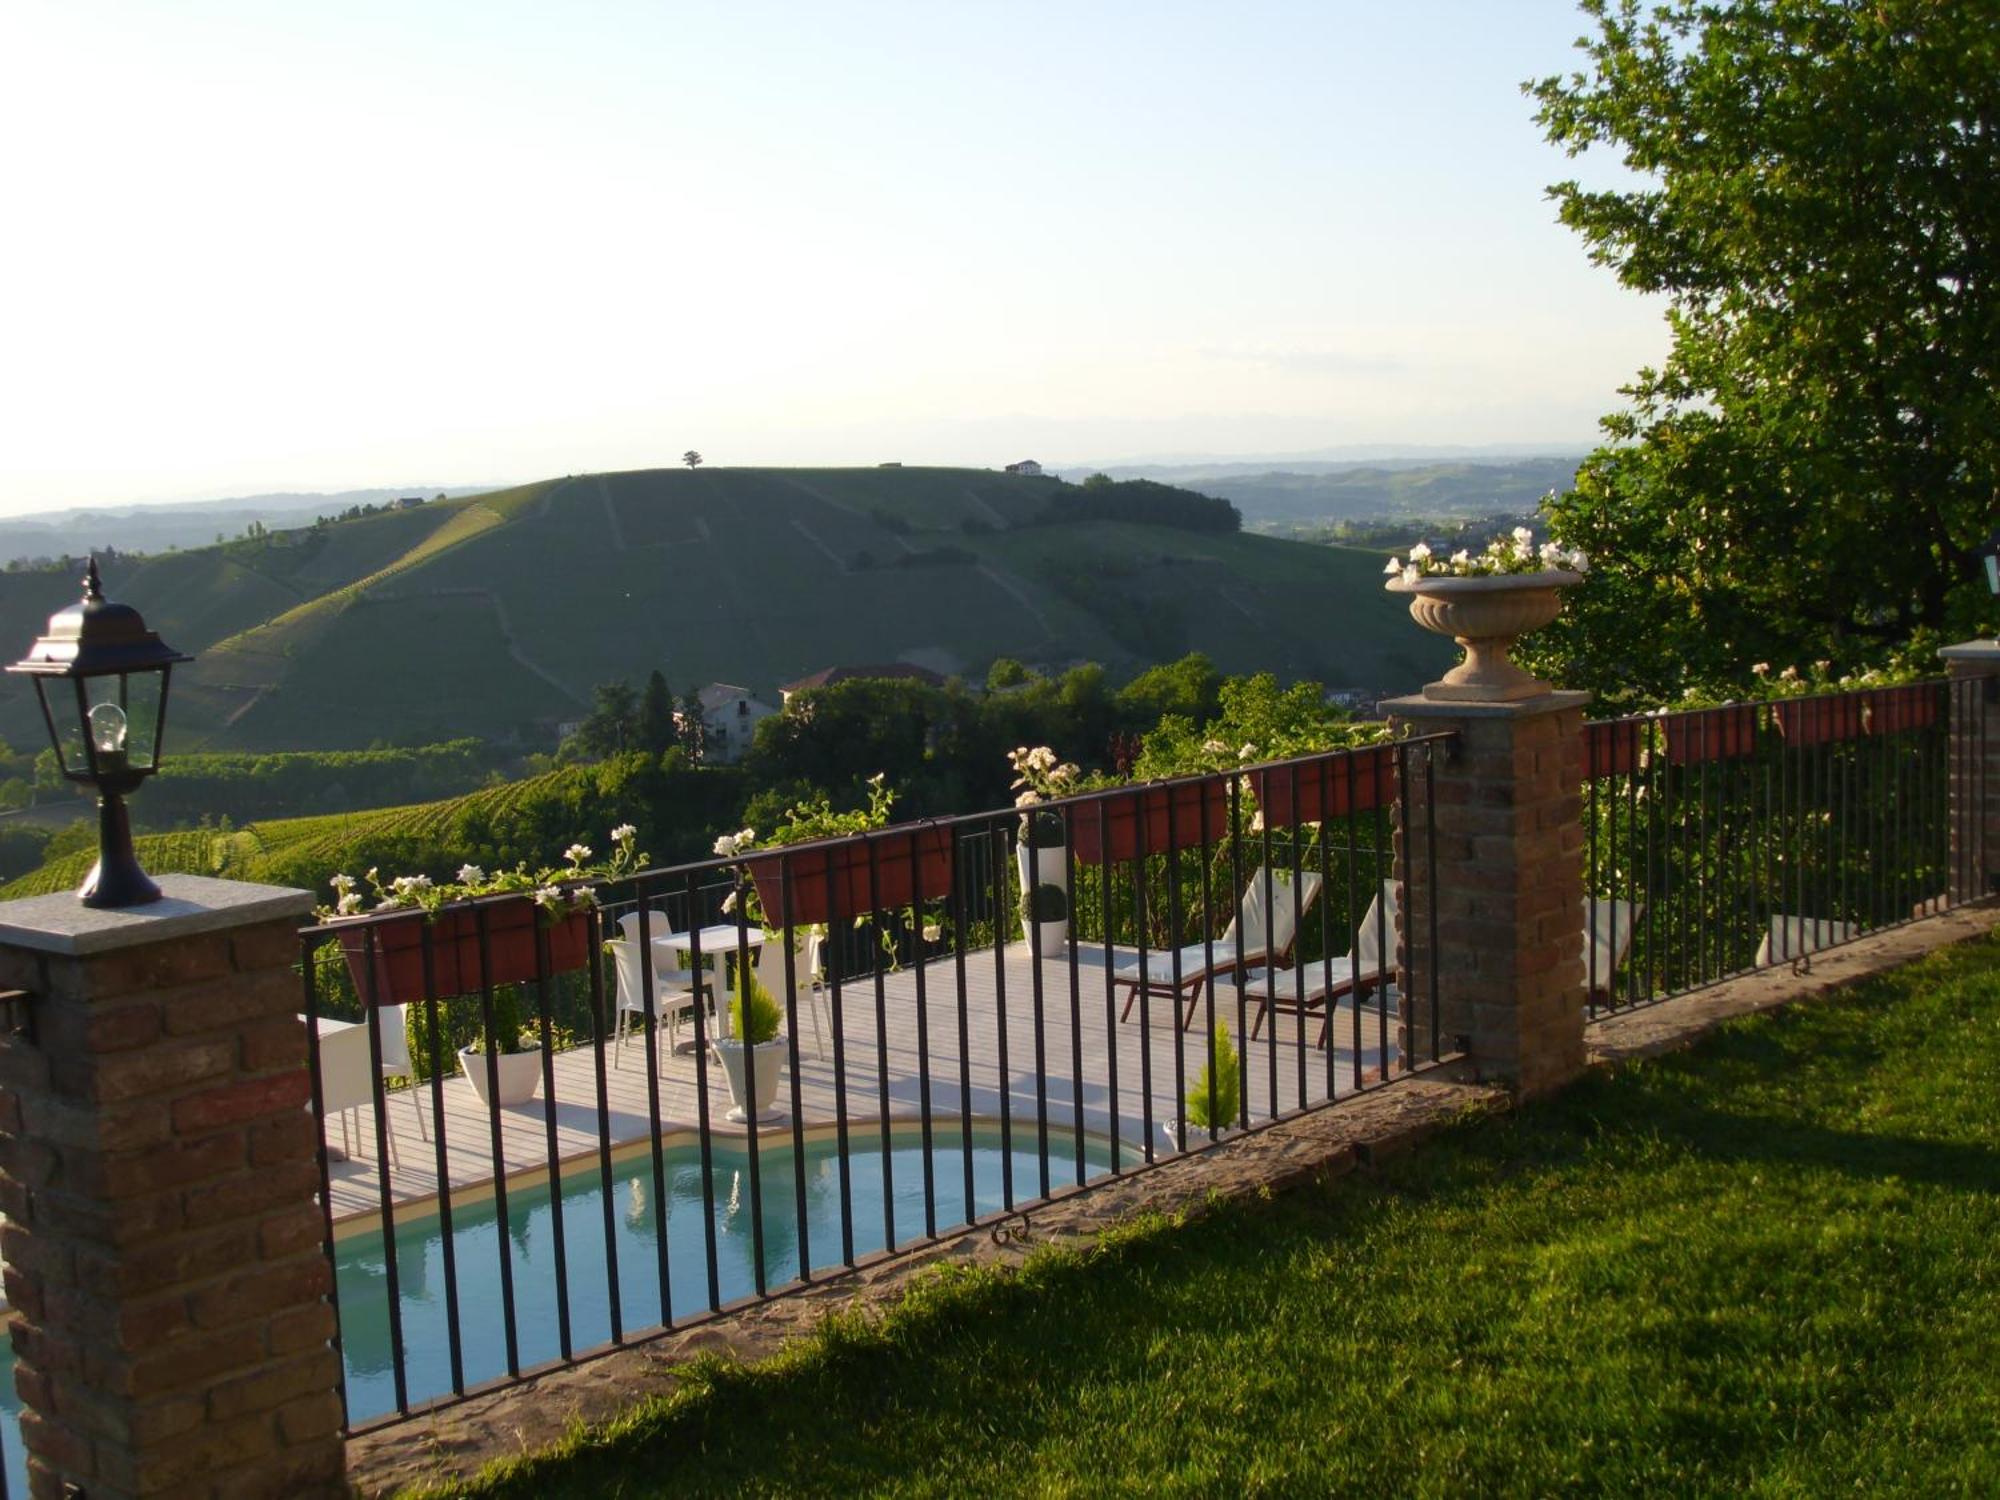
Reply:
x=1100 y=498
x=1190 y=687
x=613 y=725
x=657 y=732
x=1256 y=720
x=1803 y=476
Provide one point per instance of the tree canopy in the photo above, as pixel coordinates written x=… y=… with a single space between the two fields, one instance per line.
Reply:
x=1805 y=475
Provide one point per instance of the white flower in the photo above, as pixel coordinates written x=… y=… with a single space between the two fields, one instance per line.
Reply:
x=1461 y=560
x=932 y=932
x=348 y=905
x=1421 y=552
x=1028 y=798
x=470 y=875
x=1393 y=566
x=1412 y=573
x=1214 y=747
x=1523 y=538
x=1790 y=674
x=1578 y=559
x=342 y=883
x=878 y=778
x=745 y=837
x=1761 y=668
x=1247 y=752
x=624 y=833
x=725 y=844
x=1824 y=667
x=576 y=854
x=1551 y=555
x=371 y=877
x=729 y=903
x=548 y=895
x=406 y=886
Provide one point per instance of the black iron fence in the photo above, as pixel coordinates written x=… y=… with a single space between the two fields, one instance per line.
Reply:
x=1726 y=839
x=545 y=1134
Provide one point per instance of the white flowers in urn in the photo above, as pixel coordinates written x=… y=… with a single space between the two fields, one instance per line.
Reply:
x=1486 y=601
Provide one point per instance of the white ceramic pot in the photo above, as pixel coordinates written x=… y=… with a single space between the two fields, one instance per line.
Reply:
x=520 y=1074
x=1045 y=866
x=1486 y=616
x=770 y=1065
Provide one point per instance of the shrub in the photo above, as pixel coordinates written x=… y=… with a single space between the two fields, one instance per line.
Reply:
x=764 y=1018
x=1225 y=1086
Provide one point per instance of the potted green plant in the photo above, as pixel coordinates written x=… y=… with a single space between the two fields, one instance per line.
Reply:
x=1042 y=856
x=754 y=1019
x=510 y=1049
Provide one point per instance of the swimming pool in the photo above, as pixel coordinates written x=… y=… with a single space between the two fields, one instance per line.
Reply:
x=362 y=1269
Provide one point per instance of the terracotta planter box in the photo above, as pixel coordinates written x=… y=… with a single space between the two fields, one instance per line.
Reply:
x=1168 y=815
x=1819 y=721
x=836 y=876
x=512 y=929
x=1359 y=781
x=1895 y=710
x=1711 y=734
x=1611 y=747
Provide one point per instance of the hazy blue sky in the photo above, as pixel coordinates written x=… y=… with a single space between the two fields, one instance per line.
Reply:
x=287 y=244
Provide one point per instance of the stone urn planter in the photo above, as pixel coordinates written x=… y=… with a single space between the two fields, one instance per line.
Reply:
x=520 y=1075
x=770 y=1068
x=1486 y=616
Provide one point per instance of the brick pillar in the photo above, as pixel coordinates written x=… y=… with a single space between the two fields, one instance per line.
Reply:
x=1973 y=768
x=1510 y=900
x=157 y=1171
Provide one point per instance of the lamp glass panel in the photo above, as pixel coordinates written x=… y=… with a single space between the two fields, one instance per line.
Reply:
x=1993 y=572
x=65 y=717
x=124 y=719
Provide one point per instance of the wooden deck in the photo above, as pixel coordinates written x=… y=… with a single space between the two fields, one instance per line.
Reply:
x=1049 y=1061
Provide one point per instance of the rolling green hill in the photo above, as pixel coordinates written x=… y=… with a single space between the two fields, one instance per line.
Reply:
x=494 y=615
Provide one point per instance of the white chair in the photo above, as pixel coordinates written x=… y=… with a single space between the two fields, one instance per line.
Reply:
x=769 y=966
x=1792 y=938
x=1357 y=972
x=1606 y=942
x=1255 y=936
x=670 y=1002
x=347 y=1079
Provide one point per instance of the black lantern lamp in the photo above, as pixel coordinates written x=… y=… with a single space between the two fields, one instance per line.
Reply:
x=108 y=735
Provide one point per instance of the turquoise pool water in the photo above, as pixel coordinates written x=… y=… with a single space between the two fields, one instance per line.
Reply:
x=362 y=1269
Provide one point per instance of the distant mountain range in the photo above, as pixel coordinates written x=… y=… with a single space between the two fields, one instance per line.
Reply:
x=494 y=615
x=154 y=526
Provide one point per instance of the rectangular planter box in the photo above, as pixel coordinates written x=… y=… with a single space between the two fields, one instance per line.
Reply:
x=1169 y=816
x=1895 y=710
x=1820 y=721
x=1358 y=781
x=512 y=928
x=1611 y=747
x=826 y=879
x=1711 y=733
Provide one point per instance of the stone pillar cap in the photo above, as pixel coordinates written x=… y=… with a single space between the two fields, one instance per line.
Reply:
x=1418 y=706
x=188 y=904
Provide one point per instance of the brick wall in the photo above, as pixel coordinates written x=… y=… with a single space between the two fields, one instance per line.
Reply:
x=163 y=1251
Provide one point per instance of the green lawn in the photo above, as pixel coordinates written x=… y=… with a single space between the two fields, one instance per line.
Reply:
x=1767 y=1266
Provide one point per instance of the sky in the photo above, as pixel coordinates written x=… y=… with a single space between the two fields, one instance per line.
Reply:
x=292 y=244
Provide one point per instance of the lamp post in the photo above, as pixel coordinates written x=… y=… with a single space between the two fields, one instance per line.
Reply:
x=106 y=730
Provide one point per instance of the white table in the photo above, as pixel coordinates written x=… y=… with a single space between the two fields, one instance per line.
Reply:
x=721 y=938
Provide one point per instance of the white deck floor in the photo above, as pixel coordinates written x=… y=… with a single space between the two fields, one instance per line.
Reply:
x=1071 y=1060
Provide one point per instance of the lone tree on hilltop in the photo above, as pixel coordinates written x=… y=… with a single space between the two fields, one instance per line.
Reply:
x=691 y=458
x=1818 y=199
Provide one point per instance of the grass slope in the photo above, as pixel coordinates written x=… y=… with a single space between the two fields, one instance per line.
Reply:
x=495 y=615
x=1767 y=1266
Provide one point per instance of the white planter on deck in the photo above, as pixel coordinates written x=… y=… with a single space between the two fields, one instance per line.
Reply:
x=1045 y=866
x=770 y=1065
x=520 y=1075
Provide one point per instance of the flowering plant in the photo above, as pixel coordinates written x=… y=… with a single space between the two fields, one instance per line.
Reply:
x=807 y=819
x=560 y=891
x=1514 y=553
x=1038 y=775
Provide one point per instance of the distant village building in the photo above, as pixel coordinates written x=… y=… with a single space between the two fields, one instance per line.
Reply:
x=828 y=676
x=409 y=502
x=1025 y=466
x=729 y=719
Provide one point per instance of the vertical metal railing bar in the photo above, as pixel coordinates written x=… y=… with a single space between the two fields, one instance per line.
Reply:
x=1357 y=914
x=1141 y=918
x=1590 y=814
x=1269 y=894
x=1107 y=879
x=1208 y=963
x=1075 y=1000
x=1298 y=967
x=594 y=976
x=878 y=921
x=1634 y=884
x=706 y=1139
x=838 y=1011
x=1032 y=931
x=1325 y=769
x=959 y=871
x=1431 y=887
x=502 y=1219
x=379 y=1108
x=1233 y=800
x=745 y=1035
x=1176 y=916
x=1384 y=939
x=920 y=970
x=788 y=898
x=1655 y=769
x=1703 y=863
x=997 y=873
x=649 y=994
x=316 y=1086
x=447 y=1239
x=545 y=1040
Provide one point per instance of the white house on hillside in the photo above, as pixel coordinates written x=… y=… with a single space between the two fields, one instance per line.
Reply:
x=729 y=719
x=1025 y=466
